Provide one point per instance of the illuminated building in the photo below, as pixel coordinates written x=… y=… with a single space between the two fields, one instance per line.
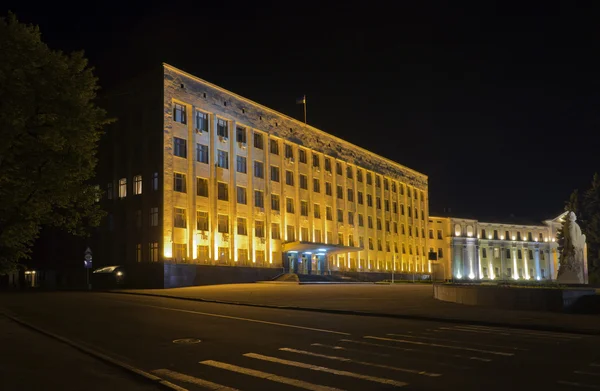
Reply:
x=469 y=249
x=217 y=179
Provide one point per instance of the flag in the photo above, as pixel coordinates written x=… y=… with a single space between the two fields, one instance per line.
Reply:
x=301 y=101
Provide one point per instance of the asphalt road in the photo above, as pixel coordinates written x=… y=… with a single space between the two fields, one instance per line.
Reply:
x=250 y=348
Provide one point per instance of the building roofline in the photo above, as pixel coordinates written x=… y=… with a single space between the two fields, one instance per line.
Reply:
x=289 y=118
x=541 y=224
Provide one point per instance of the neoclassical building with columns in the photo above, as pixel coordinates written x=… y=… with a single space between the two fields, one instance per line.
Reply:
x=468 y=249
x=200 y=175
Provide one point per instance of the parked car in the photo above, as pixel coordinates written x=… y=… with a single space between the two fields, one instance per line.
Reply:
x=109 y=277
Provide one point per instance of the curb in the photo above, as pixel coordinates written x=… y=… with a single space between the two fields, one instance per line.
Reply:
x=533 y=327
x=315 y=282
x=100 y=356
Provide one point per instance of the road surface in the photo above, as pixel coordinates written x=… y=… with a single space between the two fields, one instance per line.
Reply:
x=202 y=346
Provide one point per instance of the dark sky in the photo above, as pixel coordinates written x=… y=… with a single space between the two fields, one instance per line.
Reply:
x=497 y=105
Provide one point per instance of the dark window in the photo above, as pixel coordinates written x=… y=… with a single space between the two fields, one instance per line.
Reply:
x=240 y=135
x=289 y=178
x=303 y=182
x=275 y=173
x=180 y=147
x=241 y=195
x=316 y=161
x=259 y=199
x=340 y=192
x=259 y=169
x=289 y=152
x=350 y=194
x=327 y=164
x=241 y=165
x=222 y=191
x=222 y=128
x=328 y=190
x=201 y=121
x=180 y=218
x=302 y=155
x=274 y=147
x=275 y=202
x=202 y=187
x=179 y=182
x=179 y=113
x=202 y=153
x=222 y=159
x=258 y=141
x=338 y=168
x=316 y=185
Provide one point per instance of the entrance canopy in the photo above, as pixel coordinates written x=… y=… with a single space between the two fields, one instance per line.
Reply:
x=318 y=248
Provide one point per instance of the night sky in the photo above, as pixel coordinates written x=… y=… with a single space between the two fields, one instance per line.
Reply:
x=498 y=106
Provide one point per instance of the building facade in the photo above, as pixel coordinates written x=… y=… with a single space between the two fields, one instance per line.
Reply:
x=467 y=249
x=217 y=179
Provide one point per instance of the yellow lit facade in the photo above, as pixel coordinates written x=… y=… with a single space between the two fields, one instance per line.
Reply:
x=244 y=185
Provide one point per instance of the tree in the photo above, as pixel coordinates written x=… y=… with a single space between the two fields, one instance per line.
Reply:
x=590 y=226
x=50 y=128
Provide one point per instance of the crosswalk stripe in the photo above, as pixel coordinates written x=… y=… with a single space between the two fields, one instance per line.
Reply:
x=436 y=353
x=269 y=376
x=441 y=346
x=349 y=349
x=511 y=331
x=368 y=364
x=326 y=370
x=192 y=380
x=570 y=383
x=455 y=341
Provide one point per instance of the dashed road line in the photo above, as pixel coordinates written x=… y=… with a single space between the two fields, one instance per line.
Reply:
x=368 y=364
x=470 y=331
x=320 y=345
x=586 y=373
x=523 y=332
x=455 y=341
x=441 y=346
x=574 y=384
x=192 y=380
x=268 y=376
x=326 y=370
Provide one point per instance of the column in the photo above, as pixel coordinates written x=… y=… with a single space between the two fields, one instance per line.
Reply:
x=191 y=188
x=212 y=191
x=537 y=263
x=232 y=197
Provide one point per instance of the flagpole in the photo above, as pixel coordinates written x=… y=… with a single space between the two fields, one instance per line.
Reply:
x=304 y=109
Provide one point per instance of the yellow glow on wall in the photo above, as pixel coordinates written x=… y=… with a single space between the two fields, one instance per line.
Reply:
x=168 y=249
x=194 y=250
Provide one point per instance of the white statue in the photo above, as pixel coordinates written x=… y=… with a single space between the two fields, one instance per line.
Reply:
x=573 y=260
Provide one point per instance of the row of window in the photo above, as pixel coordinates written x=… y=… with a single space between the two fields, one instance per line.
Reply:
x=137 y=186
x=458 y=231
x=509 y=273
x=509 y=253
x=180 y=150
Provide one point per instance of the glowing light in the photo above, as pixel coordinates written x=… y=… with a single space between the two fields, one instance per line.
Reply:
x=471 y=276
x=535 y=239
x=33 y=272
x=545 y=239
x=168 y=249
x=292 y=252
x=322 y=250
x=501 y=237
x=538 y=278
x=513 y=238
x=308 y=252
x=554 y=239
x=489 y=236
x=119 y=274
x=459 y=276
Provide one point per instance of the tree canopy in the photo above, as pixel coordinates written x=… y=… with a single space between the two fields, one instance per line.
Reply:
x=50 y=128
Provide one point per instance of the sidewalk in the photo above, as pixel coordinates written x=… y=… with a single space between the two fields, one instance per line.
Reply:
x=32 y=361
x=411 y=301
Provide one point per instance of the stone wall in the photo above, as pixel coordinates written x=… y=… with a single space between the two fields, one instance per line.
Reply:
x=180 y=275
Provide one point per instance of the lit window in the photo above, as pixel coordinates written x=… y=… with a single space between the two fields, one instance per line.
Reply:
x=154 y=252
x=122 y=187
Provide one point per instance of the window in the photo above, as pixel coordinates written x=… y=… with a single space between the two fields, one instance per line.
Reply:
x=369 y=200
x=402 y=209
x=530 y=254
x=223 y=224
x=328 y=213
x=340 y=238
x=506 y=235
x=222 y=159
x=241 y=195
x=483 y=253
x=317 y=211
x=417 y=216
x=403 y=249
x=258 y=141
x=439 y=234
x=303 y=208
x=361 y=220
x=290 y=233
x=519 y=254
x=386 y=184
x=327 y=164
x=289 y=152
x=394 y=187
x=351 y=218
x=350 y=195
x=377 y=181
x=201 y=121
x=387 y=246
x=370 y=243
x=507 y=253
x=179 y=182
x=317 y=238
x=154 y=252
x=241 y=165
x=289 y=178
x=483 y=234
x=519 y=236
x=137 y=184
x=402 y=229
x=415 y=194
x=359 y=176
x=328 y=189
x=223 y=253
x=361 y=242
x=338 y=168
x=202 y=153
x=387 y=225
x=379 y=247
x=378 y=202
x=303 y=181
x=349 y=172
x=329 y=237
x=379 y=224
x=274 y=147
x=138 y=218
x=410 y=230
x=154 y=181
x=395 y=208
x=179 y=147
x=316 y=160
x=496 y=252
x=242 y=256
x=275 y=202
x=259 y=228
x=240 y=135
x=222 y=128
x=122 y=187
x=422 y=232
x=302 y=155
x=542 y=257
x=360 y=197
x=154 y=217
x=259 y=198
x=369 y=179
x=275 y=173
x=259 y=169
x=386 y=204
x=440 y=253
x=395 y=227
x=275 y=232
x=401 y=189
x=417 y=232
x=202 y=220
x=409 y=211
x=289 y=205
x=430 y=234
x=316 y=185
x=340 y=192
x=370 y=222
x=304 y=234
x=202 y=187
x=180 y=219
x=340 y=216
x=179 y=113
x=222 y=191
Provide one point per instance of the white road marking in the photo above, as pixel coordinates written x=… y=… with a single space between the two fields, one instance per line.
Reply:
x=245 y=319
x=442 y=346
x=269 y=376
x=586 y=373
x=512 y=331
x=455 y=341
x=349 y=349
x=594 y=364
x=327 y=370
x=436 y=353
x=470 y=331
x=570 y=383
x=368 y=364
x=192 y=380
